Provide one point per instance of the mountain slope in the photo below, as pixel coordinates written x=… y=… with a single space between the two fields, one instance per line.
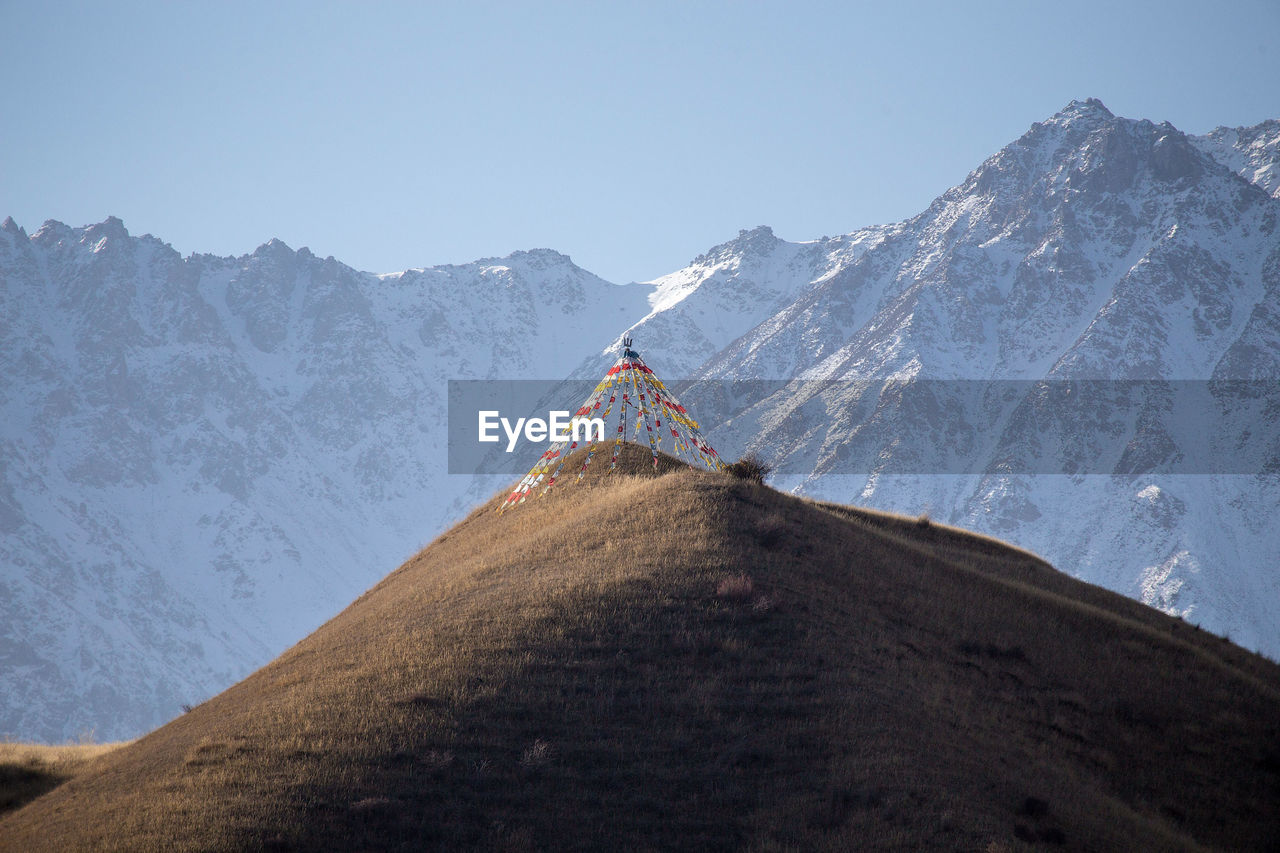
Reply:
x=593 y=669
x=204 y=457
x=1093 y=247
x=1251 y=152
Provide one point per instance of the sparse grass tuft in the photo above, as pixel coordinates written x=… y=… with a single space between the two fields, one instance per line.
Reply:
x=737 y=587
x=536 y=754
x=770 y=529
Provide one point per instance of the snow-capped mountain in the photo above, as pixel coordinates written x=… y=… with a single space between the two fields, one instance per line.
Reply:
x=204 y=457
x=1251 y=152
x=1094 y=247
x=728 y=291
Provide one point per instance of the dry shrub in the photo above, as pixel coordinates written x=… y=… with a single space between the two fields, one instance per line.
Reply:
x=750 y=467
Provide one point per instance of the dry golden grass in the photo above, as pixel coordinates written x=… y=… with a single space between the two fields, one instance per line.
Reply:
x=694 y=661
x=28 y=770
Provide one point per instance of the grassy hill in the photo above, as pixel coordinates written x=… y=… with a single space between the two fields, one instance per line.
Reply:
x=693 y=661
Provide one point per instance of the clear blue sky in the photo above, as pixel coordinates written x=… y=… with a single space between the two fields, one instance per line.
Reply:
x=631 y=136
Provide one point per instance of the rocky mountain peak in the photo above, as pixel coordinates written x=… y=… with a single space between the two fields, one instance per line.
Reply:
x=51 y=233
x=273 y=248
x=750 y=241
x=1089 y=108
x=538 y=259
x=109 y=231
x=1079 y=129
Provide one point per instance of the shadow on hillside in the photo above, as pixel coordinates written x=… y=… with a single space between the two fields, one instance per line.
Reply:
x=22 y=782
x=657 y=704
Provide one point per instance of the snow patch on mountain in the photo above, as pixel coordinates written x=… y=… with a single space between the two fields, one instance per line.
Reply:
x=1251 y=152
